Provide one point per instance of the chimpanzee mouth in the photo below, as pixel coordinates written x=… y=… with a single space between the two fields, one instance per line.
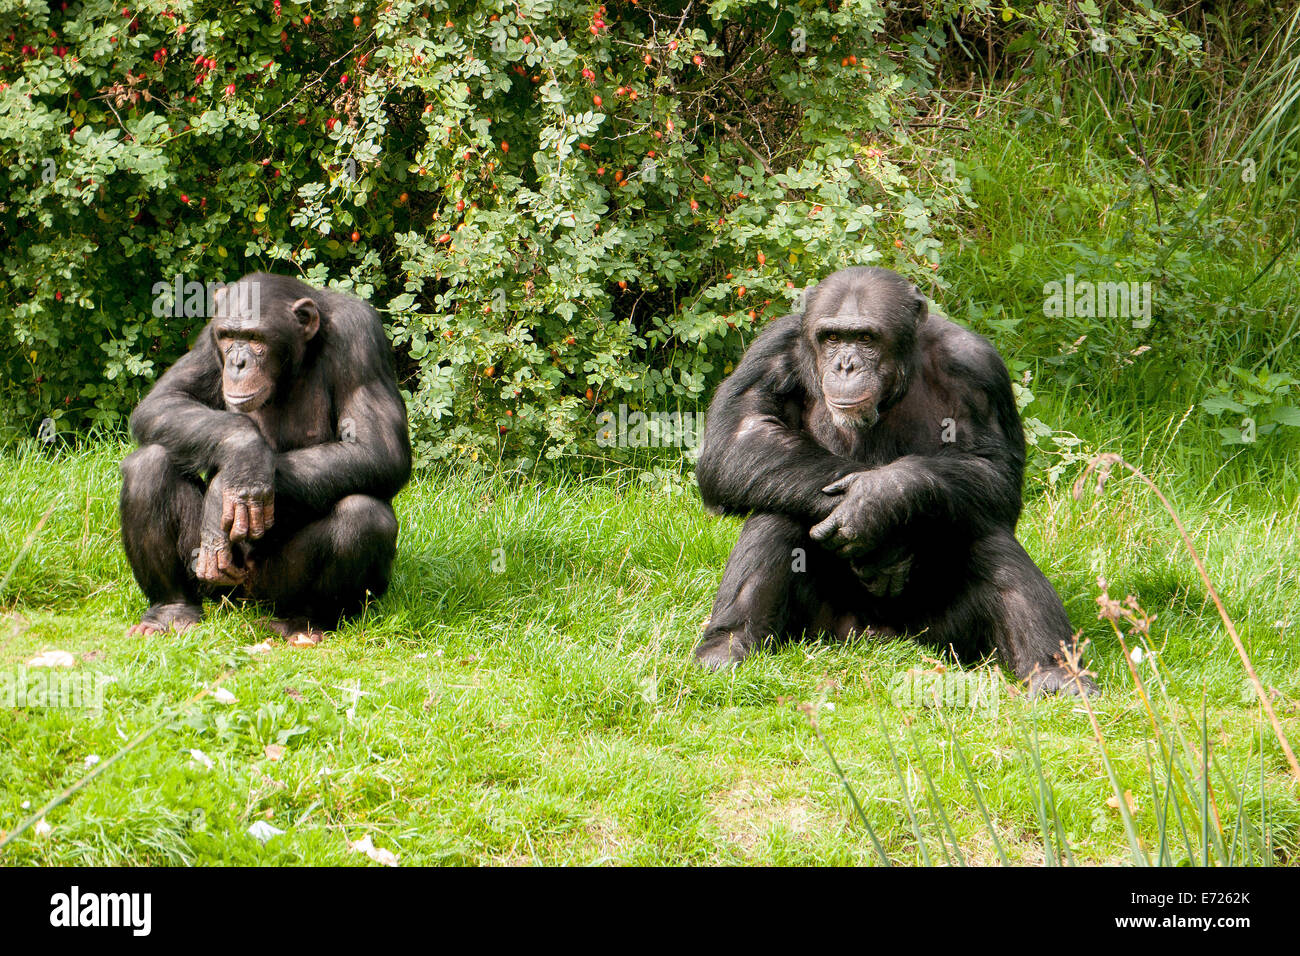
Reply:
x=849 y=406
x=237 y=401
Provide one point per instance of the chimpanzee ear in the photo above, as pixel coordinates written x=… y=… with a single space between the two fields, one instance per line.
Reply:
x=304 y=310
x=922 y=306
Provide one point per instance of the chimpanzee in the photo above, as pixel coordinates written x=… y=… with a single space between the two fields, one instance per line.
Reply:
x=269 y=455
x=879 y=453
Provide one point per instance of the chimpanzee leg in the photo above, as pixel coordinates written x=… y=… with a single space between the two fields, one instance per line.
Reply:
x=326 y=568
x=768 y=589
x=160 y=509
x=1010 y=605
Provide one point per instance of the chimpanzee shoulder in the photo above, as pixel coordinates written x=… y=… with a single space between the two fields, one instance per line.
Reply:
x=966 y=368
x=961 y=353
x=773 y=357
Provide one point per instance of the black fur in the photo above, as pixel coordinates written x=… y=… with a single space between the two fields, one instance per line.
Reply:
x=922 y=539
x=329 y=450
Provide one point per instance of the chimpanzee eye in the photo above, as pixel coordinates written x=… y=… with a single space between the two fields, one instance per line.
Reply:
x=833 y=337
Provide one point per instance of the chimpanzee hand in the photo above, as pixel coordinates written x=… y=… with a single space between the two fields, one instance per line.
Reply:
x=856 y=525
x=247 y=487
x=214 y=561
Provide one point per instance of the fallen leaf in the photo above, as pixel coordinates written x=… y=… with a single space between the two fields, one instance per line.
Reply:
x=52 y=659
x=260 y=648
x=1113 y=801
x=42 y=829
x=274 y=752
x=366 y=846
x=293 y=693
x=305 y=639
x=261 y=831
x=92 y=760
x=223 y=696
x=199 y=757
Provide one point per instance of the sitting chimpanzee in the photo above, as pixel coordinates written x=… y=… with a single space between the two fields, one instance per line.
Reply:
x=269 y=456
x=879 y=453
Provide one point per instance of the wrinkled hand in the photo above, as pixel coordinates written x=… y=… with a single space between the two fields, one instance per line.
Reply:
x=857 y=522
x=247 y=488
x=214 y=561
x=855 y=529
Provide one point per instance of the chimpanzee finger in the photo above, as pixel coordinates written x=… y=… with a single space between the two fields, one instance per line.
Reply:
x=896 y=583
x=239 y=528
x=839 y=486
x=256 y=519
x=823 y=532
x=268 y=512
x=227 y=510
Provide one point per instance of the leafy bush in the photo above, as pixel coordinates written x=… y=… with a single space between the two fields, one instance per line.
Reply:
x=562 y=207
x=1256 y=404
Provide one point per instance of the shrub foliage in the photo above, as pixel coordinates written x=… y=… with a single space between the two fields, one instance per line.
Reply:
x=560 y=206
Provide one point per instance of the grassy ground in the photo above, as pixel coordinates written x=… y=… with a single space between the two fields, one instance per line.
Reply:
x=538 y=703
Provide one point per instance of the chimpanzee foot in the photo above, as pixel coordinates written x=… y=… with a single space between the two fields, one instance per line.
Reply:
x=162 y=617
x=723 y=649
x=298 y=631
x=1055 y=679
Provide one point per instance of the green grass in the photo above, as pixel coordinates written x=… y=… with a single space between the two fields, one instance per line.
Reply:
x=550 y=713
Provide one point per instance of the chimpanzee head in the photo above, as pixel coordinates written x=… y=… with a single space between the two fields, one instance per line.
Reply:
x=262 y=328
x=860 y=328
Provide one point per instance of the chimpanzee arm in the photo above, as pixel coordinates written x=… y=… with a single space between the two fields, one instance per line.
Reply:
x=372 y=455
x=182 y=413
x=756 y=457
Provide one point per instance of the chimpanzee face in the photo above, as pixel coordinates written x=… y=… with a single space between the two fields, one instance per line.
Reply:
x=862 y=331
x=260 y=343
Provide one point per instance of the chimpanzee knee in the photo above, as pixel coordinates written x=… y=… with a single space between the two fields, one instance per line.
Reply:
x=160 y=511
